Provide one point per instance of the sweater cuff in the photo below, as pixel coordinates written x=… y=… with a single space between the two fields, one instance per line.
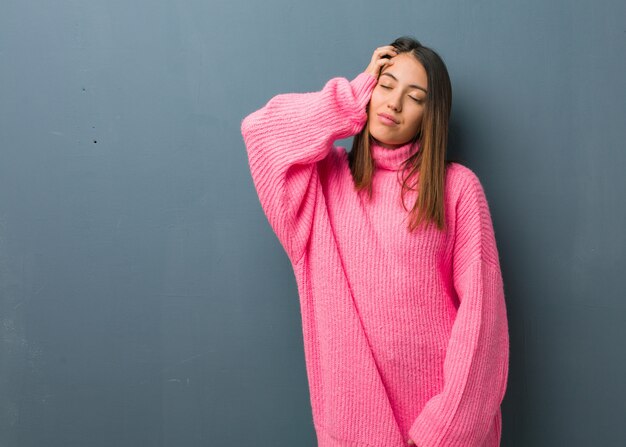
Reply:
x=362 y=86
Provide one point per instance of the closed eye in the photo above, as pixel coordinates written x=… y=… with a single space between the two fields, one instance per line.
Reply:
x=419 y=101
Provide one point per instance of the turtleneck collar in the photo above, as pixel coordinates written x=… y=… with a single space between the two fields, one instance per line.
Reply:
x=391 y=159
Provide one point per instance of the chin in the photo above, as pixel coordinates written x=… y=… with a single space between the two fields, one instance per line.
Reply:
x=377 y=136
x=382 y=139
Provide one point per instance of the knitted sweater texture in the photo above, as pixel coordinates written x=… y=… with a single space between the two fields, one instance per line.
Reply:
x=405 y=333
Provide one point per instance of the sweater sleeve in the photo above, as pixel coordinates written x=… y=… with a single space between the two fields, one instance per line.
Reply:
x=476 y=364
x=284 y=140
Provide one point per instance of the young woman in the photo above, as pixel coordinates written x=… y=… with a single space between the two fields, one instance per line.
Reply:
x=394 y=254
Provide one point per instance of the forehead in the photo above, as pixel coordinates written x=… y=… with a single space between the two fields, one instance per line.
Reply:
x=407 y=70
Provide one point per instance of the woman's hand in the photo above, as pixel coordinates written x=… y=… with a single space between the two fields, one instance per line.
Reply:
x=411 y=443
x=378 y=61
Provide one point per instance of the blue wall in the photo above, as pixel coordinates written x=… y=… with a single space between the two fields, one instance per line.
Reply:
x=144 y=299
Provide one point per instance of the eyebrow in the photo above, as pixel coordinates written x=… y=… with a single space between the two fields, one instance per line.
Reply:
x=412 y=85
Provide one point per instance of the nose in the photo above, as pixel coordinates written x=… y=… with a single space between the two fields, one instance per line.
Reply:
x=394 y=103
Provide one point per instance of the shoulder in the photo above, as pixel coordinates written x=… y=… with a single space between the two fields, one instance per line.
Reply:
x=462 y=183
x=459 y=173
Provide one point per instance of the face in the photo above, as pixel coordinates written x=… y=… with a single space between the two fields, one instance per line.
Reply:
x=401 y=94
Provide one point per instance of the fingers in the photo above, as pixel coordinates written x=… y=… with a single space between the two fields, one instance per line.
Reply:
x=388 y=50
x=382 y=56
x=381 y=52
x=385 y=49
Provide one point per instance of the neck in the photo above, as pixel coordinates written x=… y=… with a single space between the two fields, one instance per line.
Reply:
x=386 y=145
x=391 y=156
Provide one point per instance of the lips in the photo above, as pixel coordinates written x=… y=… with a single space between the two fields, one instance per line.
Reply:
x=387 y=118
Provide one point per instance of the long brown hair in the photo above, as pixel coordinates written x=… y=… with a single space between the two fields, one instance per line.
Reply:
x=429 y=161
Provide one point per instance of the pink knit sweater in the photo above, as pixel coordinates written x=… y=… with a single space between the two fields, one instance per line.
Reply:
x=405 y=334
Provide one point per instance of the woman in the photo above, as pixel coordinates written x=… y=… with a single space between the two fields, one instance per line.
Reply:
x=403 y=312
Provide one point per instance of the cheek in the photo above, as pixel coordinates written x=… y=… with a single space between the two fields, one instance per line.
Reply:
x=374 y=99
x=417 y=119
x=414 y=125
x=371 y=108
